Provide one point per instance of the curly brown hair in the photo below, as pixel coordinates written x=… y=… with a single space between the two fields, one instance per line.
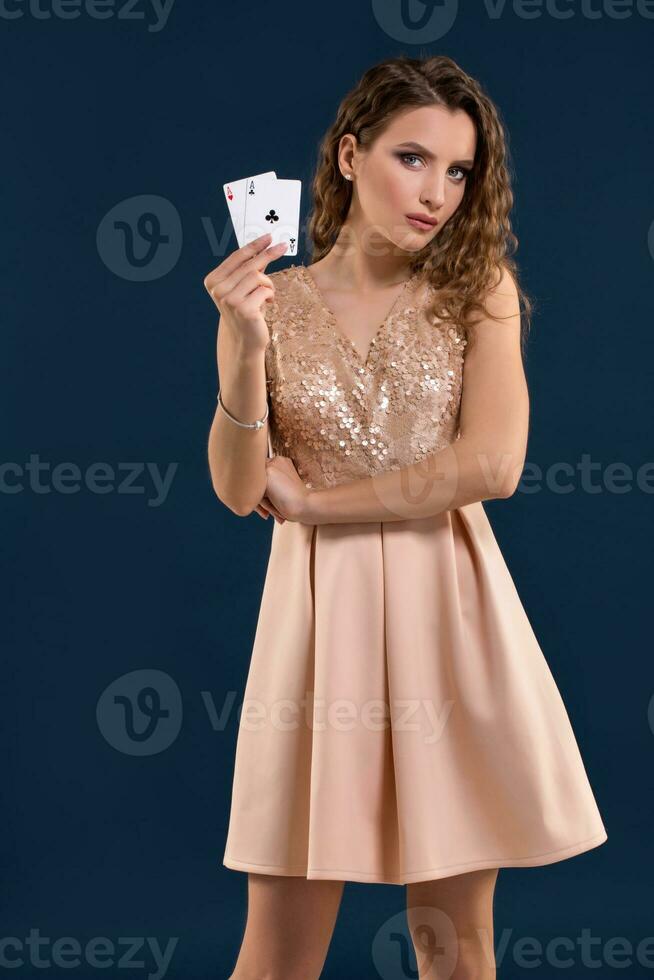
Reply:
x=467 y=258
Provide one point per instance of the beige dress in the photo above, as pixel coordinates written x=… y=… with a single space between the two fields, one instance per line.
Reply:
x=400 y=722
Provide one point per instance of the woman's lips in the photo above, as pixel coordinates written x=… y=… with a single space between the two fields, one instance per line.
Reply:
x=420 y=225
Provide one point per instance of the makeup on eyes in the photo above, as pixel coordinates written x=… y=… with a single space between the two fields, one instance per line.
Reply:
x=465 y=170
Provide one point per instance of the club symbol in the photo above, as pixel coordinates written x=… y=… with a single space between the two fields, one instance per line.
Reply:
x=272 y=215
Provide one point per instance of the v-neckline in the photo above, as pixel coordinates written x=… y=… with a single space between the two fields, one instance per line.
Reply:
x=362 y=361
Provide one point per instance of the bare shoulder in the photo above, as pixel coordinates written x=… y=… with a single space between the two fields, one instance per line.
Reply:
x=502 y=324
x=502 y=300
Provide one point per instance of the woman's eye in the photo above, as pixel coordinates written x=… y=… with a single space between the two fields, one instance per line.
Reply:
x=414 y=156
x=403 y=156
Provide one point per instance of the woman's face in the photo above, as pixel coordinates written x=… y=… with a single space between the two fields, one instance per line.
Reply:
x=418 y=165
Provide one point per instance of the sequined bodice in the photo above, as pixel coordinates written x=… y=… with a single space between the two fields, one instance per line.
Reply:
x=340 y=417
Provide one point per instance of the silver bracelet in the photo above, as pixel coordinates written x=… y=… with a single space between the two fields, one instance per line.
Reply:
x=244 y=425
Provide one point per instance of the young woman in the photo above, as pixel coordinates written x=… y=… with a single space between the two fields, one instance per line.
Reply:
x=400 y=722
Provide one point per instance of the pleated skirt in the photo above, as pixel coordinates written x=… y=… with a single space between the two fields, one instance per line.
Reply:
x=400 y=722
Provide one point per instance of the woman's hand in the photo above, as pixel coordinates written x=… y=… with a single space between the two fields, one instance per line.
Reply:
x=286 y=495
x=239 y=287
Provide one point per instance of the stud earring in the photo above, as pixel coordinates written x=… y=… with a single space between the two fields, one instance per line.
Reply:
x=348 y=176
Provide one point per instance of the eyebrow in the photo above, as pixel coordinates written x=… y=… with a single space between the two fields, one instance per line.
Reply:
x=430 y=156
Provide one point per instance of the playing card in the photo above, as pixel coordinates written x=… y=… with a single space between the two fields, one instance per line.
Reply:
x=273 y=206
x=235 y=197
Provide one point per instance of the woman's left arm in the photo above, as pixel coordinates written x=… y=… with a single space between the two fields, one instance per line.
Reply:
x=487 y=459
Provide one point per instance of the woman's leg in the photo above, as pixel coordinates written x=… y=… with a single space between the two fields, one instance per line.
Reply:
x=289 y=925
x=451 y=925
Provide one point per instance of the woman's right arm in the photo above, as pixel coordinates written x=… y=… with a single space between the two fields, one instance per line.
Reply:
x=237 y=456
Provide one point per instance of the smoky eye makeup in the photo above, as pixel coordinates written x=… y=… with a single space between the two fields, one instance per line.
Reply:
x=401 y=155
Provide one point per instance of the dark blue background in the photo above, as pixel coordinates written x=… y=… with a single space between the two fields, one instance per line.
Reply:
x=98 y=367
